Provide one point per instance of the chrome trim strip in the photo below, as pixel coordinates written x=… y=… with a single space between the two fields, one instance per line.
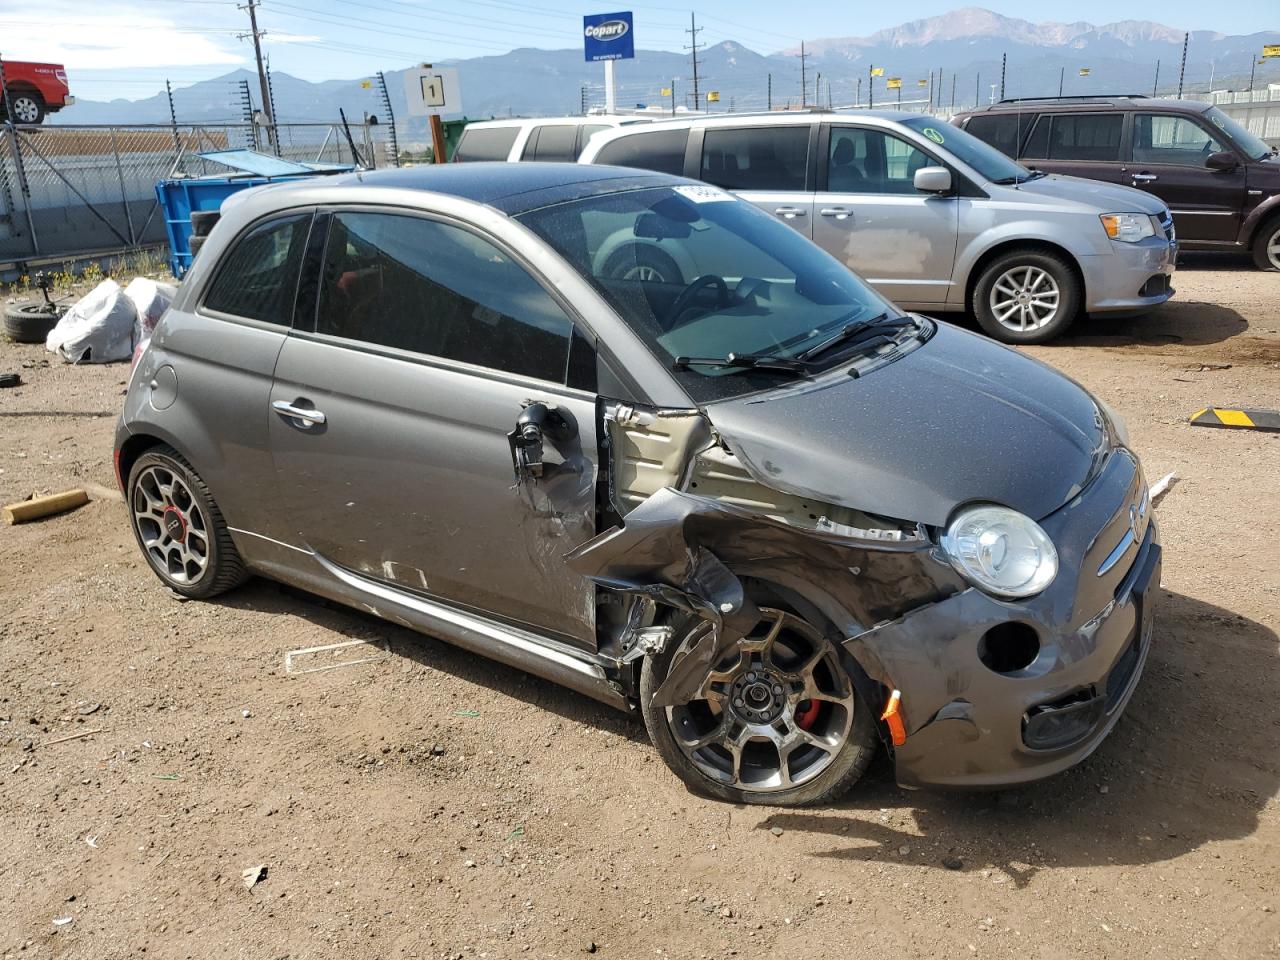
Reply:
x=1114 y=556
x=1138 y=511
x=279 y=543
x=519 y=640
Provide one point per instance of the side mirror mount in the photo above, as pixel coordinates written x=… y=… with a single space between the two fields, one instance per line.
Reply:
x=933 y=180
x=537 y=421
x=1222 y=160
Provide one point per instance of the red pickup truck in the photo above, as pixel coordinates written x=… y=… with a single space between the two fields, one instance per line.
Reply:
x=35 y=89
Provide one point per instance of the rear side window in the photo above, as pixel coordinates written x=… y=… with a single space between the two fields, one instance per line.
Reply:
x=1001 y=130
x=872 y=161
x=552 y=143
x=1070 y=136
x=258 y=277
x=659 y=150
x=486 y=143
x=588 y=131
x=763 y=158
x=433 y=288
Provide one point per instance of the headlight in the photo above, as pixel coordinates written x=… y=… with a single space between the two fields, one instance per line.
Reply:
x=1127 y=227
x=1001 y=551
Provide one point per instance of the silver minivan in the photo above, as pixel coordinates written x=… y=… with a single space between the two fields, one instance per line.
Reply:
x=933 y=218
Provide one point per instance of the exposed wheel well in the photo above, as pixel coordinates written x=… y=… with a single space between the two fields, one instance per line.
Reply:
x=1010 y=246
x=130 y=451
x=1264 y=223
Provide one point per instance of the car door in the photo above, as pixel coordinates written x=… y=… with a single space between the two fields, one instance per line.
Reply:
x=391 y=416
x=767 y=165
x=1085 y=145
x=869 y=215
x=1168 y=156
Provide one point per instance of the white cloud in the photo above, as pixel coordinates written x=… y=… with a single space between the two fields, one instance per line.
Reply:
x=113 y=36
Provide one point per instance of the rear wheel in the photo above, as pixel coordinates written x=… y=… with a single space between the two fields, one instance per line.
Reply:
x=27 y=107
x=1026 y=296
x=643 y=263
x=1266 y=246
x=778 y=721
x=179 y=527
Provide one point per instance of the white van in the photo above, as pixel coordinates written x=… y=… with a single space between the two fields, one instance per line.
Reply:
x=545 y=138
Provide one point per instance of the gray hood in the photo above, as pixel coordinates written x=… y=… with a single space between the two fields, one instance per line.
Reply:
x=1106 y=197
x=956 y=420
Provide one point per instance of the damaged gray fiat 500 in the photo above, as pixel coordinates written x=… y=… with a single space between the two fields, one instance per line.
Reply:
x=785 y=521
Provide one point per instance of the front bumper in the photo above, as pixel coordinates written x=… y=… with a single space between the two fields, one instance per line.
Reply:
x=971 y=727
x=1122 y=281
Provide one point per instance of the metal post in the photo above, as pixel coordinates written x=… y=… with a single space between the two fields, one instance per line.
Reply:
x=1062 y=77
x=391 y=120
x=1253 y=68
x=124 y=194
x=272 y=131
x=173 y=117
x=1156 y=83
x=977 y=88
x=953 y=94
x=610 y=105
x=1004 y=62
x=770 y=100
x=871 y=88
x=817 y=90
x=673 y=96
x=23 y=187
x=804 y=79
x=857 y=99
x=1182 y=71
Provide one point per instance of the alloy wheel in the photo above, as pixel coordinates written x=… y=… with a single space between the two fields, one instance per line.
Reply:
x=1273 y=249
x=25 y=110
x=773 y=714
x=1025 y=298
x=644 y=272
x=171 y=525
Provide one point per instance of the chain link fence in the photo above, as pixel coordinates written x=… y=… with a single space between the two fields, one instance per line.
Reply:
x=74 y=191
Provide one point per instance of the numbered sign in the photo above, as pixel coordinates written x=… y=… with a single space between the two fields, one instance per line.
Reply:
x=429 y=90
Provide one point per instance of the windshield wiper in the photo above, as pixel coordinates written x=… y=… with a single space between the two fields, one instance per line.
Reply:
x=1033 y=175
x=863 y=333
x=747 y=361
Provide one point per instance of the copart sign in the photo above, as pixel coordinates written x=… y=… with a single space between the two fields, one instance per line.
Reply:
x=608 y=36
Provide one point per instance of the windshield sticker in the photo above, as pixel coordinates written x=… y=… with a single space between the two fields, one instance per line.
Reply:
x=703 y=194
x=933 y=135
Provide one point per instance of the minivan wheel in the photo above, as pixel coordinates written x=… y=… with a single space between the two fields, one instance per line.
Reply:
x=1026 y=297
x=778 y=721
x=643 y=263
x=1266 y=246
x=179 y=528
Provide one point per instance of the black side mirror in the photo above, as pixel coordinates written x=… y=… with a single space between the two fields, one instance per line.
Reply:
x=1222 y=160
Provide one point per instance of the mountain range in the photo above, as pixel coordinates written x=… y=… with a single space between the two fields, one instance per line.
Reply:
x=966 y=46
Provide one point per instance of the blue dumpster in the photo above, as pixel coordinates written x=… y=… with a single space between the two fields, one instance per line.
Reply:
x=180 y=196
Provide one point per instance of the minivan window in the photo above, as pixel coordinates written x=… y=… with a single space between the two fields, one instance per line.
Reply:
x=1163 y=138
x=756 y=158
x=259 y=277
x=1072 y=136
x=486 y=143
x=1254 y=146
x=733 y=279
x=658 y=150
x=986 y=160
x=553 y=142
x=1001 y=130
x=862 y=160
x=433 y=288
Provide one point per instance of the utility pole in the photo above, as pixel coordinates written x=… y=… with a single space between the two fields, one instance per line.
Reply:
x=1062 y=77
x=804 y=80
x=977 y=87
x=1155 y=84
x=817 y=91
x=1182 y=71
x=673 y=96
x=857 y=100
x=770 y=88
x=1253 y=68
x=256 y=34
x=953 y=93
x=1004 y=62
x=693 y=32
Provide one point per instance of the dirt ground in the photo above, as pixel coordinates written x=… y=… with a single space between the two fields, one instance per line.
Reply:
x=431 y=804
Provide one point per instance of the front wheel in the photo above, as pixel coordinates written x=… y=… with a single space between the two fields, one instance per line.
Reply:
x=179 y=527
x=1027 y=297
x=1266 y=246
x=27 y=107
x=778 y=721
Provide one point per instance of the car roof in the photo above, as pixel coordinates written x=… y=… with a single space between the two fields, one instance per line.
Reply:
x=778 y=117
x=609 y=121
x=1096 y=103
x=513 y=188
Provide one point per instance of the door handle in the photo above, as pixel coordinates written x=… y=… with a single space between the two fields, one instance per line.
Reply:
x=1144 y=177
x=305 y=414
x=789 y=213
x=840 y=213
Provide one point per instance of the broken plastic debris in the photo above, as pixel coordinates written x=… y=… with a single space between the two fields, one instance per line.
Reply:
x=466 y=713
x=254 y=875
x=62 y=921
x=311 y=655
x=166 y=776
x=1162 y=486
x=92 y=841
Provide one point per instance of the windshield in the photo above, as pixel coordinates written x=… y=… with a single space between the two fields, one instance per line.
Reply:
x=698 y=273
x=968 y=149
x=1253 y=145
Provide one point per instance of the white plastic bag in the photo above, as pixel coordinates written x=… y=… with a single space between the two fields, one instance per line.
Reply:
x=151 y=300
x=98 y=329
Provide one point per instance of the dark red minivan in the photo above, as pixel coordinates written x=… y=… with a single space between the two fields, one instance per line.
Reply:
x=1221 y=181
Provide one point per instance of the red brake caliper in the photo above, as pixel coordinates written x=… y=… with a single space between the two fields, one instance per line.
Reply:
x=807 y=714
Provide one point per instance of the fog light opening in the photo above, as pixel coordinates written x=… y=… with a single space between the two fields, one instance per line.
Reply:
x=1008 y=647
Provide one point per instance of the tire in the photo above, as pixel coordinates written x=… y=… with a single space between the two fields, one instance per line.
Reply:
x=824 y=774
x=1266 y=246
x=161 y=484
x=641 y=262
x=31 y=322
x=28 y=106
x=195 y=243
x=202 y=221
x=1046 y=279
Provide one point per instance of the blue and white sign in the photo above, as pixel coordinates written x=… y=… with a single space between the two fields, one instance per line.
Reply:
x=608 y=36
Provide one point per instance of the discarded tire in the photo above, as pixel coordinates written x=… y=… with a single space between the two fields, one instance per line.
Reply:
x=31 y=322
x=10 y=380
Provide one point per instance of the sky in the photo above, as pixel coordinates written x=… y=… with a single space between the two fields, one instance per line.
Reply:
x=127 y=48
